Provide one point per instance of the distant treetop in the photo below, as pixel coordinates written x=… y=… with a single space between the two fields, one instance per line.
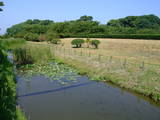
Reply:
x=1 y=4
x=86 y=18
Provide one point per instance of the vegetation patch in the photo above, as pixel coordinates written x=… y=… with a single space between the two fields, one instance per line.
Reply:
x=135 y=27
x=53 y=70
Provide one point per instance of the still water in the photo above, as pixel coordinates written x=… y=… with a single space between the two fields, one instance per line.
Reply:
x=45 y=99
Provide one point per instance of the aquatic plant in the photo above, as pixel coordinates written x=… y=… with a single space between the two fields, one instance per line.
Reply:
x=59 y=72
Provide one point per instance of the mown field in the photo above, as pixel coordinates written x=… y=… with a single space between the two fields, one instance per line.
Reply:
x=130 y=64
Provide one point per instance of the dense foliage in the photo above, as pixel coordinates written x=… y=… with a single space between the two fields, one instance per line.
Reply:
x=52 y=37
x=86 y=26
x=95 y=43
x=1 y=4
x=77 y=43
x=7 y=88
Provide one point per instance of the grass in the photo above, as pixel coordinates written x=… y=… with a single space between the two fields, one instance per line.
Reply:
x=20 y=114
x=126 y=63
x=12 y=43
x=133 y=50
x=32 y=53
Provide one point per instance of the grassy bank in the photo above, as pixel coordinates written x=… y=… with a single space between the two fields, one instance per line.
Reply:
x=143 y=85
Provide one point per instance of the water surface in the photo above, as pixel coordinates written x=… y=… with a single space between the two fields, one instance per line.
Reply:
x=91 y=101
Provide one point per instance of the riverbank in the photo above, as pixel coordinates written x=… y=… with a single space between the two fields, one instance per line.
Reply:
x=135 y=68
x=140 y=78
x=99 y=75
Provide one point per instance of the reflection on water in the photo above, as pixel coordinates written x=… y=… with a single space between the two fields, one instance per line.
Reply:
x=97 y=101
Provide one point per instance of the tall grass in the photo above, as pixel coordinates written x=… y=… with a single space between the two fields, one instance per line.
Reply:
x=22 y=57
x=12 y=43
x=20 y=114
x=32 y=53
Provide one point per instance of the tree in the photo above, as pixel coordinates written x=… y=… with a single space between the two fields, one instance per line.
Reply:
x=95 y=43
x=85 y=18
x=52 y=37
x=31 y=37
x=1 y=4
x=114 y=23
x=77 y=42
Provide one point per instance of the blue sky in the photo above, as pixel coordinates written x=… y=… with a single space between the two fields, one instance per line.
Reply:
x=16 y=11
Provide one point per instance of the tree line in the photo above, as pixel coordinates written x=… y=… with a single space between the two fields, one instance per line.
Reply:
x=86 y=26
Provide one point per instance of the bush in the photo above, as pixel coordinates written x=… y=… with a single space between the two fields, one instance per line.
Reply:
x=31 y=37
x=7 y=87
x=77 y=43
x=95 y=43
x=55 y=41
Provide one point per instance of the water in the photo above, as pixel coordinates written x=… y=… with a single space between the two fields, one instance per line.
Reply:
x=91 y=101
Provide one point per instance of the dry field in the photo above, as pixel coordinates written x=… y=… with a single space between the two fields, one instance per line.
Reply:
x=140 y=50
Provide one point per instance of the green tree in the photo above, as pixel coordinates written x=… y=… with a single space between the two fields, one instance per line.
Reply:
x=77 y=43
x=52 y=37
x=85 y=18
x=31 y=37
x=95 y=43
x=1 y=4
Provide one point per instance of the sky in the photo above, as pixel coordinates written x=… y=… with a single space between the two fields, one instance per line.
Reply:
x=16 y=11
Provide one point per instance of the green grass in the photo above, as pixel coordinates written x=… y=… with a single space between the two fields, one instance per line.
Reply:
x=12 y=43
x=20 y=114
x=32 y=53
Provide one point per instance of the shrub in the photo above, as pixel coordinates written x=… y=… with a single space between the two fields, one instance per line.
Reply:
x=31 y=37
x=95 y=43
x=77 y=42
x=55 y=41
